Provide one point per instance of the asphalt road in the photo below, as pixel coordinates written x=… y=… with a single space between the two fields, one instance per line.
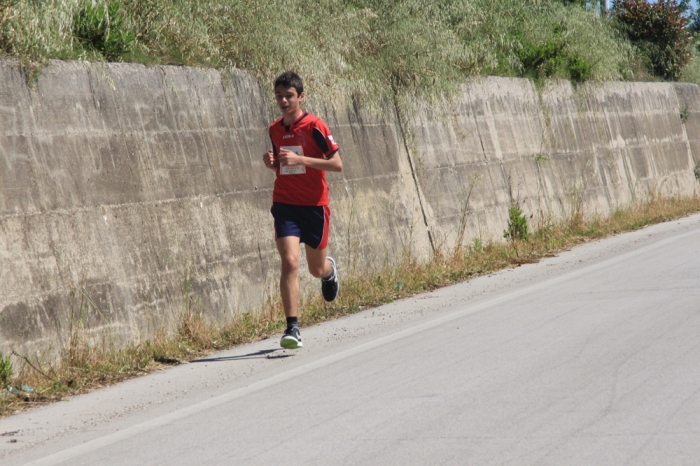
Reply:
x=591 y=357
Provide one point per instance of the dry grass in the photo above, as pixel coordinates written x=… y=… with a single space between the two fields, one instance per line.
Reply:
x=367 y=48
x=86 y=367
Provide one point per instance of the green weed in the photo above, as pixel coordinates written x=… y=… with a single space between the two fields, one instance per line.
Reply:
x=101 y=28
x=517 y=225
x=6 y=371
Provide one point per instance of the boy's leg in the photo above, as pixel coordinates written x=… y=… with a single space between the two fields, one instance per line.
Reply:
x=319 y=266
x=288 y=248
x=323 y=267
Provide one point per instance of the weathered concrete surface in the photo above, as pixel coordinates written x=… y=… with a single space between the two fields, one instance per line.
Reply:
x=555 y=151
x=129 y=193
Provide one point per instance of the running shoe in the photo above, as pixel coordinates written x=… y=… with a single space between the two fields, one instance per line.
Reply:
x=291 y=339
x=330 y=286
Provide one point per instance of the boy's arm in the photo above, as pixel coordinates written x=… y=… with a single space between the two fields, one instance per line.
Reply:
x=331 y=164
x=269 y=160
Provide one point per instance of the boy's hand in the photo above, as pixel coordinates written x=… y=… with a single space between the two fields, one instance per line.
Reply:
x=287 y=158
x=269 y=160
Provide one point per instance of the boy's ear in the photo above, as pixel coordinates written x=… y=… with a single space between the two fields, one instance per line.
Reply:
x=301 y=96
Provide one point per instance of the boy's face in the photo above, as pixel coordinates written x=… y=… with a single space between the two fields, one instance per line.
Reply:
x=288 y=101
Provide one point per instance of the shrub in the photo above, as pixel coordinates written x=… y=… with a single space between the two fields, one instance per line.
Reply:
x=101 y=29
x=553 y=58
x=541 y=59
x=579 y=69
x=659 y=30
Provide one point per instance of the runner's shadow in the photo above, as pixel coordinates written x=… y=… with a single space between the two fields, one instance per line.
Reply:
x=259 y=354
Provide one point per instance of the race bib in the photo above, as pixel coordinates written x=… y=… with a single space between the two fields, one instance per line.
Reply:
x=297 y=169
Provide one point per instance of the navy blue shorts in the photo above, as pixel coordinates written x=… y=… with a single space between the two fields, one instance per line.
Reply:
x=309 y=223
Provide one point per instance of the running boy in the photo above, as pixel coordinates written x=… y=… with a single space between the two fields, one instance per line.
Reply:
x=302 y=151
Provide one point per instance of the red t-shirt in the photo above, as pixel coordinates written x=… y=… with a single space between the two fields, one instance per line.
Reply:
x=300 y=185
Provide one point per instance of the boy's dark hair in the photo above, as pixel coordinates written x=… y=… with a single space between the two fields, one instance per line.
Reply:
x=290 y=79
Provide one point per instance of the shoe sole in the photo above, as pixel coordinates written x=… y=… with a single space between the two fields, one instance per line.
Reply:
x=291 y=343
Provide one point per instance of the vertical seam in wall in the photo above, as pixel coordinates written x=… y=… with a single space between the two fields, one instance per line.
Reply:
x=623 y=156
x=413 y=173
x=606 y=148
x=481 y=140
x=542 y=191
x=478 y=130
x=605 y=180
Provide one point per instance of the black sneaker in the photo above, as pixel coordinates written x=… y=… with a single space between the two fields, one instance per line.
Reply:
x=291 y=339
x=330 y=286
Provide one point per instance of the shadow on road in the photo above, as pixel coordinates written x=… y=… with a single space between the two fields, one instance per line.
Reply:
x=258 y=354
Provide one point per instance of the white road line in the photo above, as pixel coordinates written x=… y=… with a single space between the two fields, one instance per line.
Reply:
x=129 y=432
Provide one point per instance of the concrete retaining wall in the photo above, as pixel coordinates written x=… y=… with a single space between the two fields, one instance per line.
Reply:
x=126 y=190
x=555 y=151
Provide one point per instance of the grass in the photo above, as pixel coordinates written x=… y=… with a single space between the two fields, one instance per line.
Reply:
x=372 y=49
x=691 y=73
x=86 y=367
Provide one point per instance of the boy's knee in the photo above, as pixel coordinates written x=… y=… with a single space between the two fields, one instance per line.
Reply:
x=318 y=270
x=290 y=264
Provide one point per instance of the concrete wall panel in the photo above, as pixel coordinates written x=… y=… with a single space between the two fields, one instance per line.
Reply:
x=689 y=106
